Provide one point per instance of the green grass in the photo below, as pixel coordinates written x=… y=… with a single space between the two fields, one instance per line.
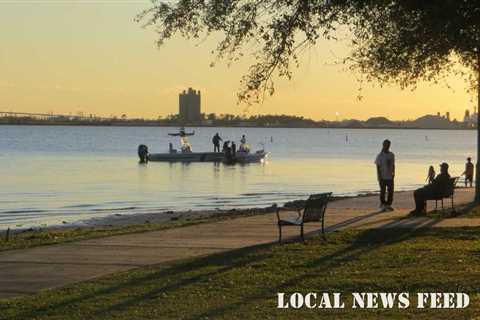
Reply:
x=243 y=284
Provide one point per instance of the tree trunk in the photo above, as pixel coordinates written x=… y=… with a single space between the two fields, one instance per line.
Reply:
x=477 y=171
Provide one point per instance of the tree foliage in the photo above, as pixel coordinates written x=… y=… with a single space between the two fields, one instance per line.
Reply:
x=399 y=41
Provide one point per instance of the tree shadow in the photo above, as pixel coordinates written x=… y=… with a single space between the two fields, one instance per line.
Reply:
x=224 y=262
x=367 y=241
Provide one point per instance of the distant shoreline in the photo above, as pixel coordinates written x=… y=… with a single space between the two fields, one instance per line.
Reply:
x=219 y=126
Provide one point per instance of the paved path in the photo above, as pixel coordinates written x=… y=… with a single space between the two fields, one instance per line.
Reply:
x=30 y=270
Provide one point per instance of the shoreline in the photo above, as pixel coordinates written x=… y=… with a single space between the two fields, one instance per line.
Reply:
x=164 y=217
x=117 y=220
x=130 y=224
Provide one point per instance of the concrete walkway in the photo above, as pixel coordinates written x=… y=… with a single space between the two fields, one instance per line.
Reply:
x=29 y=270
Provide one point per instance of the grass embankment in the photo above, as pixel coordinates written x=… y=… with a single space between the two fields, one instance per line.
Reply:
x=243 y=284
x=39 y=237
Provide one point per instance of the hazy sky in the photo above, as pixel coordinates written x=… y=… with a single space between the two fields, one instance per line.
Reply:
x=70 y=56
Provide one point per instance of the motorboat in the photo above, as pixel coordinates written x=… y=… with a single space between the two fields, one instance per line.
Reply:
x=239 y=157
x=185 y=154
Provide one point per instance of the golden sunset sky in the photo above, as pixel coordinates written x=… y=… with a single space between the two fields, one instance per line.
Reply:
x=91 y=56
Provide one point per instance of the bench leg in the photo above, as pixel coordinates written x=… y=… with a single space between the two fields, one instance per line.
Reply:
x=442 y=205
x=436 y=205
x=301 y=233
x=279 y=233
x=323 y=230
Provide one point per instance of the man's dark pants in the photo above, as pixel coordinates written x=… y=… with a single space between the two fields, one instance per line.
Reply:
x=468 y=179
x=386 y=187
x=421 y=196
x=216 y=147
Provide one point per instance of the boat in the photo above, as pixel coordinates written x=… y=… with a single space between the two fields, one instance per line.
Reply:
x=240 y=157
x=185 y=154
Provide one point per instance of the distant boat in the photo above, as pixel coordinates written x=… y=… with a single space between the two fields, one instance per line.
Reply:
x=181 y=133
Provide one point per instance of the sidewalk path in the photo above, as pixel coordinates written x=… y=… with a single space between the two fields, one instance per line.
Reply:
x=29 y=270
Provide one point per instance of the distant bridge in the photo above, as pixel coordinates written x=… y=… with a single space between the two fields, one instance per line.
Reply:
x=50 y=116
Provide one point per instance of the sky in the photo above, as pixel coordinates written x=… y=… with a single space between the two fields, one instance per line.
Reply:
x=66 y=57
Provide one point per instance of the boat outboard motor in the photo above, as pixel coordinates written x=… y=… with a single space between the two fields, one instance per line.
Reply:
x=143 y=153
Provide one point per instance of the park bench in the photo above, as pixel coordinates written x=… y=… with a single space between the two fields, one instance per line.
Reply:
x=313 y=211
x=448 y=193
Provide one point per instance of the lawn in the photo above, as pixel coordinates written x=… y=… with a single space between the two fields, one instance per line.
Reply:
x=243 y=284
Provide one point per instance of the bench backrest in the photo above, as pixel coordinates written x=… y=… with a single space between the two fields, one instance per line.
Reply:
x=451 y=187
x=315 y=207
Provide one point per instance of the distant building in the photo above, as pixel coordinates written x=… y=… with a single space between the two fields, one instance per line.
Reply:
x=189 y=105
x=470 y=119
x=466 y=118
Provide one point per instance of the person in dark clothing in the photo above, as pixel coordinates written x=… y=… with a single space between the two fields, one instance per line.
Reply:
x=468 y=172
x=226 y=145
x=438 y=186
x=216 y=142
x=234 y=150
x=143 y=153
x=385 y=163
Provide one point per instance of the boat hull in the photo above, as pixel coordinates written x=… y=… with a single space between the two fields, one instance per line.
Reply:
x=206 y=157
x=187 y=157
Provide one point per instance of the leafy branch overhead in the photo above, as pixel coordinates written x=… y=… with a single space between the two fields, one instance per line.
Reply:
x=401 y=41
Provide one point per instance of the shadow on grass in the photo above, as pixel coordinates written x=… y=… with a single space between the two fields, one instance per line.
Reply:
x=225 y=261
x=367 y=241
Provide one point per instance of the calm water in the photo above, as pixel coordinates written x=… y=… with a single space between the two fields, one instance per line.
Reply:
x=54 y=174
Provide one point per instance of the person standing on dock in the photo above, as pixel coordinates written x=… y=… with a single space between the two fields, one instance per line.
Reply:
x=216 y=142
x=385 y=163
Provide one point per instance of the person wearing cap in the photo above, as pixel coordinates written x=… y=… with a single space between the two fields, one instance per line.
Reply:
x=438 y=186
x=385 y=163
x=468 y=172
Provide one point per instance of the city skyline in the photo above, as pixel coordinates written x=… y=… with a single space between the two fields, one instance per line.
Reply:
x=52 y=61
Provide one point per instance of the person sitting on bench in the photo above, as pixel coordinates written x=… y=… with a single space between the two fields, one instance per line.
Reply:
x=438 y=187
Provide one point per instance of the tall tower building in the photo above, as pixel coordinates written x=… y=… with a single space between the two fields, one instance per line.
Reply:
x=466 y=117
x=189 y=105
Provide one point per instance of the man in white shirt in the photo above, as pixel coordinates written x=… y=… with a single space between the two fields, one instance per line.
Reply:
x=385 y=163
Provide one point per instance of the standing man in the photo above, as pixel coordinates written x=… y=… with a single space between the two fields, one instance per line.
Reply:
x=216 y=142
x=468 y=172
x=385 y=163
